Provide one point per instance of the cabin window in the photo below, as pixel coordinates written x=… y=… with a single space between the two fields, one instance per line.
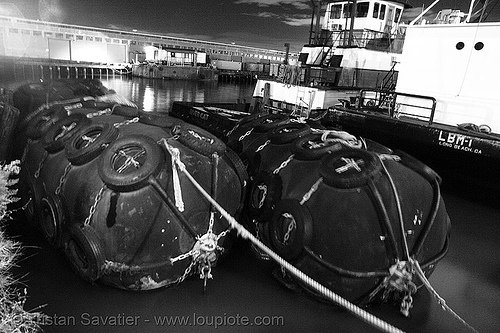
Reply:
x=347 y=10
x=382 y=12
x=98 y=39
x=362 y=9
x=37 y=33
x=59 y=35
x=79 y=37
x=14 y=30
x=397 y=17
x=25 y=32
x=336 y=11
x=376 y=8
x=69 y=36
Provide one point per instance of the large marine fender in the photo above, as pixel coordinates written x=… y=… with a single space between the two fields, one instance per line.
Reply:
x=344 y=231
x=330 y=207
x=106 y=195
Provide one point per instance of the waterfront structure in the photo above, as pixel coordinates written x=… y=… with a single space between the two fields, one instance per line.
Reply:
x=33 y=39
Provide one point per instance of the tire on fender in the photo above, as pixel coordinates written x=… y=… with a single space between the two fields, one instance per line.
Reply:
x=265 y=192
x=199 y=140
x=290 y=229
x=127 y=163
x=42 y=122
x=349 y=168
x=53 y=141
x=160 y=119
x=89 y=142
x=264 y=124
x=286 y=133
x=311 y=147
x=53 y=219
x=85 y=252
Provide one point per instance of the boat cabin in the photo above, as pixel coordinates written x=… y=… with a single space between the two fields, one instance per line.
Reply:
x=373 y=15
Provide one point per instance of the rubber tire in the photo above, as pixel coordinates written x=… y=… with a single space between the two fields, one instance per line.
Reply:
x=264 y=124
x=138 y=178
x=79 y=156
x=125 y=111
x=251 y=118
x=286 y=133
x=303 y=231
x=39 y=125
x=274 y=190
x=199 y=140
x=53 y=145
x=53 y=219
x=371 y=167
x=160 y=119
x=306 y=154
x=85 y=252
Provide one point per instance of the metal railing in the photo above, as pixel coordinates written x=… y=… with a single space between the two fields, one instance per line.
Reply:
x=397 y=105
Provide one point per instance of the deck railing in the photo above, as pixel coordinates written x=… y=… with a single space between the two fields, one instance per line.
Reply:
x=398 y=105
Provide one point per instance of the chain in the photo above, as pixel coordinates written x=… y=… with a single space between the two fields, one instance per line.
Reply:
x=211 y=223
x=232 y=130
x=40 y=165
x=283 y=164
x=94 y=206
x=105 y=112
x=126 y=122
x=186 y=273
x=182 y=256
x=62 y=180
x=291 y=226
x=246 y=134
x=65 y=130
x=129 y=160
x=309 y=193
x=89 y=139
x=263 y=146
x=262 y=188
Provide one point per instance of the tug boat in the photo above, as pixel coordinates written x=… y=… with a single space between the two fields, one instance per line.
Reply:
x=100 y=179
x=437 y=101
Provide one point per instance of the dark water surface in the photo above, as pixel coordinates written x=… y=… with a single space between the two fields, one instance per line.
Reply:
x=158 y=95
x=243 y=287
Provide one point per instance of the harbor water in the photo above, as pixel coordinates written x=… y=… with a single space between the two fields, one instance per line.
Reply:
x=243 y=296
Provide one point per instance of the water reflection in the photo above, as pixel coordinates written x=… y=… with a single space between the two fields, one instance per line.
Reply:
x=158 y=95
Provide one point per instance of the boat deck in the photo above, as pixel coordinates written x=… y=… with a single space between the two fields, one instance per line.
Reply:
x=467 y=278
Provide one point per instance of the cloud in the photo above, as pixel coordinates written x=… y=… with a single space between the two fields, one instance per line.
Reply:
x=268 y=3
x=293 y=20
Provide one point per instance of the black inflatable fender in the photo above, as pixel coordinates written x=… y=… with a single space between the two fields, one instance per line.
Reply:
x=411 y=162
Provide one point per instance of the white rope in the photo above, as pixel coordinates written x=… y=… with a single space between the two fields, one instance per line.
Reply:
x=357 y=311
x=174 y=152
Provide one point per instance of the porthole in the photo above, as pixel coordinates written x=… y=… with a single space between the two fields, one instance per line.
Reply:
x=460 y=45
x=479 y=46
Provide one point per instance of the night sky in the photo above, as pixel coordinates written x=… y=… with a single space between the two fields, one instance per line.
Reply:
x=259 y=23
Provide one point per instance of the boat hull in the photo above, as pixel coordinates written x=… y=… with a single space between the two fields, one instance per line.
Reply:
x=448 y=149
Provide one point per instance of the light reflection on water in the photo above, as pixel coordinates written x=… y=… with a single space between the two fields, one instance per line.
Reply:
x=158 y=95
